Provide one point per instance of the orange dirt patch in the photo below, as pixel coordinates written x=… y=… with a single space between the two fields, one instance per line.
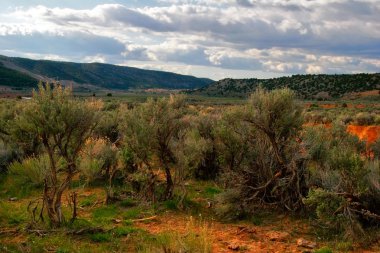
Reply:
x=366 y=133
x=369 y=134
x=327 y=106
x=231 y=237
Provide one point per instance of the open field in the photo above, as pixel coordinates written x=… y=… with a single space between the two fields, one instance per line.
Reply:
x=188 y=174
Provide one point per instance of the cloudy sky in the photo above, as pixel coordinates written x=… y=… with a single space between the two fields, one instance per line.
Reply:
x=206 y=38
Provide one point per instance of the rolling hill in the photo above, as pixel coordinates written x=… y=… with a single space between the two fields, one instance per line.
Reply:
x=14 y=78
x=306 y=86
x=15 y=73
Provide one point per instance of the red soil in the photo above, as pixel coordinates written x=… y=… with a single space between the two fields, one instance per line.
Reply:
x=327 y=106
x=367 y=133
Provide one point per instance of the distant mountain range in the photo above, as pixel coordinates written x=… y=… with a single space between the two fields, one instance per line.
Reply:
x=21 y=72
x=306 y=86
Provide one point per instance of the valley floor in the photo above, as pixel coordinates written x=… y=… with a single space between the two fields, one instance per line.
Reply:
x=128 y=227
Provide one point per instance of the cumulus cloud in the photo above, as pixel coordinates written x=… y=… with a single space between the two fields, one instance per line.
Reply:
x=269 y=36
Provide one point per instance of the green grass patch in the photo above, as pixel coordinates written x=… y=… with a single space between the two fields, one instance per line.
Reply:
x=171 y=204
x=17 y=187
x=12 y=214
x=212 y=191
x=127 y=203
x=80 y=223
x=324 y=250
x=101 y=237
x=123 y=231
x=105 y=213
x=132 y=213
x=344 y=246
x=88 y=201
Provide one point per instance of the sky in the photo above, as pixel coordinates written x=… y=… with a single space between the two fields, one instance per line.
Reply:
x=206 y=38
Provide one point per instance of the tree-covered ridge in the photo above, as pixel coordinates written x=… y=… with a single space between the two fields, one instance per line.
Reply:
x=306 y=86
x=107 y=75
x=10 y=77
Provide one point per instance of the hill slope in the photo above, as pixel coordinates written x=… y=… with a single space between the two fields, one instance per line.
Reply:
x=306 y=86
x=103 y=75
x=14 y=78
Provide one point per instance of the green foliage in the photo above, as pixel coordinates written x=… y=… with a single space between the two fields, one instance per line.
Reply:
x=129 y=202
x=264 y=158
x=132 y=213
x=88 y=201
x=346 y=182
x=7 y=155
x=344 y=246
x=171 y=204
x=201 y=147
x=14 y=217
x=123 y=231
x=324 y=250
x=61 y=124
x=31 y=170
x=126 y=157
x=319 y=87
x=101 y=237
x=107 y=126
x=233 y=140
x=151 y=130
x=212 y=191
x=105 y=213
x=326 y=205
x=13 y=78
x=97 y=156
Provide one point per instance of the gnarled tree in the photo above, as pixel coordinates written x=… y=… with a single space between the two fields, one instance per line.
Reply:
x=61 y=124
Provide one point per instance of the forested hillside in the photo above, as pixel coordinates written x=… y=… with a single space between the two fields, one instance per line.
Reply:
x=306 y=86
x=10 y=77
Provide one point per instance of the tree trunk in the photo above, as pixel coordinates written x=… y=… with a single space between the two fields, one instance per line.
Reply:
x=169 y=184
x=53 y=199
x=49 y=193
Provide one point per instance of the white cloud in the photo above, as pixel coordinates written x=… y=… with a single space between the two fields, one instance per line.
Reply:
x=314 y=69
x=252 y=36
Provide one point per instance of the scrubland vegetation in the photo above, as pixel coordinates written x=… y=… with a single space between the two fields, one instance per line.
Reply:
x=78 y=173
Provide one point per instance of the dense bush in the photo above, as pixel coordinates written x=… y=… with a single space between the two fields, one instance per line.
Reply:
x=344 y=183
x=31 y=170
x=364 y=119
x=273 y=172
x=151 y=131
x=209 y=168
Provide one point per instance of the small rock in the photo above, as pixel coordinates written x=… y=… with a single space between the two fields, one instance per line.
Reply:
x=234 y=246
x=306 y=244
x=277 y=236
x=13 y=199
x=117 y=221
